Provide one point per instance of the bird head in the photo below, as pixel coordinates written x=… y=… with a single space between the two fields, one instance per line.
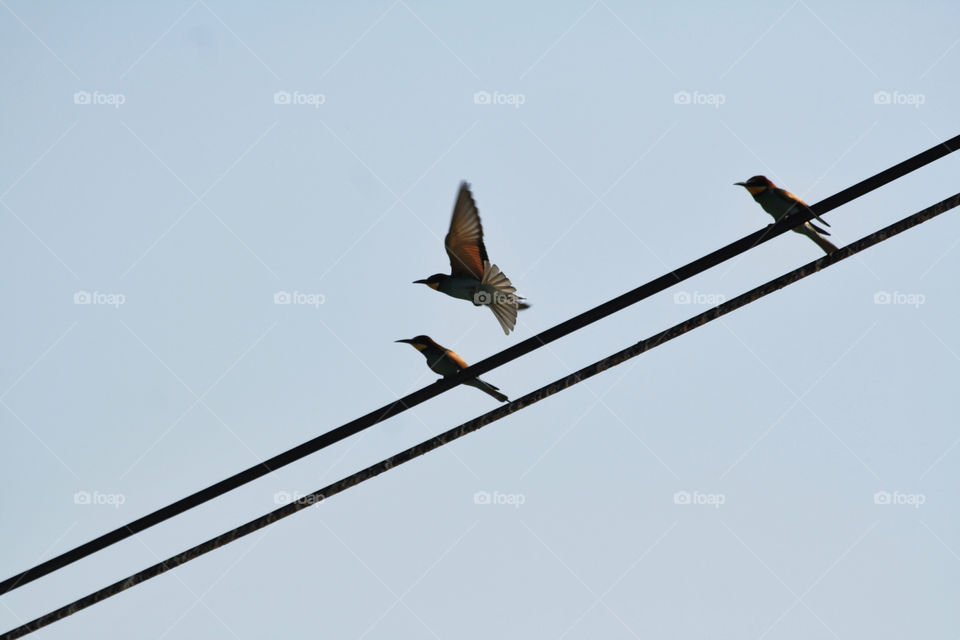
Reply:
x=433 y=281
x=420 y=342
x=756 y=184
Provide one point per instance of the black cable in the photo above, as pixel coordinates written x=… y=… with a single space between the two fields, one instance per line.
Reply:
x=485 y=419
x=511 y=353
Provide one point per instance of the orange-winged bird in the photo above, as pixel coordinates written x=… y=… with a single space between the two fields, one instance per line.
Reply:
x=779 y=202
x=472 y=277
x=447 y=363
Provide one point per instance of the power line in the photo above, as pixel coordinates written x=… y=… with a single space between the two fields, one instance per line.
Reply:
x=489 y=417
x=511 y=353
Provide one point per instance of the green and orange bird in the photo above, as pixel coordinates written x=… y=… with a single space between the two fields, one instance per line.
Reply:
x=472 y=276
x=780 y=202
x=445 y=362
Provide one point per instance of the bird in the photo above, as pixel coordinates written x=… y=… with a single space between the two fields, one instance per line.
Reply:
x=445 y=362
x=780 y=202
x=472 y=276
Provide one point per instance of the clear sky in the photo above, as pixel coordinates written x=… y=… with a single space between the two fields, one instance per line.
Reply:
x=177 y=165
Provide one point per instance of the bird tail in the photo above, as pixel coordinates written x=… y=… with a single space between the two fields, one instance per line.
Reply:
x=488 y=388
x=498 y=293
x=814 y=233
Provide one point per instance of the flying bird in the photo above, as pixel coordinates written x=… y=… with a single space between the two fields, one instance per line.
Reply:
x=780 y=202
x=445 y=362
x=472 y=276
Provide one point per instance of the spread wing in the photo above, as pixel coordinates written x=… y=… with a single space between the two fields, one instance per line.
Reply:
x=464 y=241
x=816 y=217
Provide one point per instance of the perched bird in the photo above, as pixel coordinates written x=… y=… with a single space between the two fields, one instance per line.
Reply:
x=472 y=277
x=779 y=202
x=447 y=363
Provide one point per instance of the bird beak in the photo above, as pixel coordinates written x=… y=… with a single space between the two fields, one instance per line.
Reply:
x=405 y=340
x=419 y=282
x=740 y=184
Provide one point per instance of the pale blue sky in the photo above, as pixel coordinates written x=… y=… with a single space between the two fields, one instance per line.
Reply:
x=199 y=197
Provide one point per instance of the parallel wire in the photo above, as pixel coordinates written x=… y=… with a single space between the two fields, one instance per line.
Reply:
x=492 y=416
x=511 y=353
